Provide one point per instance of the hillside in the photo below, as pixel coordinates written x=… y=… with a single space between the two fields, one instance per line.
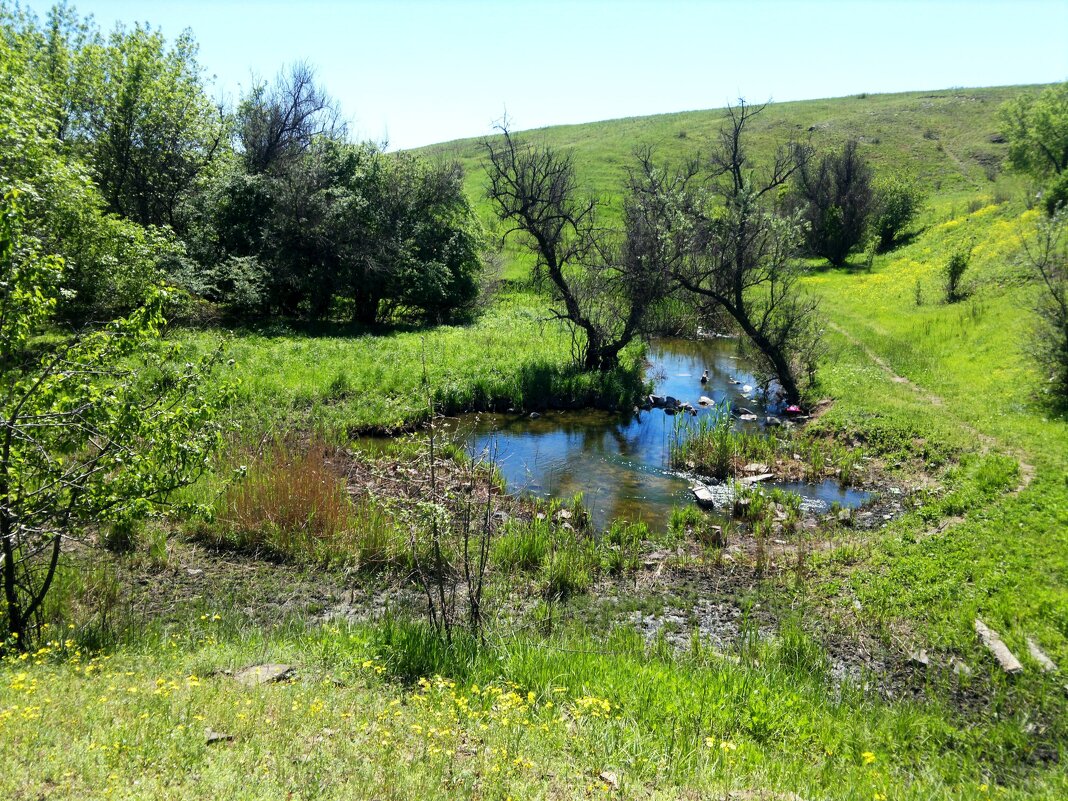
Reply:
x=948 y=140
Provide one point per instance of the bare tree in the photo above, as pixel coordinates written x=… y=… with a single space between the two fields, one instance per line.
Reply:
x=742 y=254
x=281 y=122
x=604 y=282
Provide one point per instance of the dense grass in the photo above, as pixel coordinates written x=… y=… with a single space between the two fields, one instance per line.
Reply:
x=511 y=357
x=1007 y=560
x=534 y=717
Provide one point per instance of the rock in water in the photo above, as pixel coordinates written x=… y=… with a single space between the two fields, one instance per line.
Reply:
x=704 y=400
x=756 y=479
x=703 y=495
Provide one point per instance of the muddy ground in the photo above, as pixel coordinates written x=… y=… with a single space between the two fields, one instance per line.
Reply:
x=726 y=596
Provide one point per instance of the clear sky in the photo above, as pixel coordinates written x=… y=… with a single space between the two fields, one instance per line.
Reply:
x=416 y=71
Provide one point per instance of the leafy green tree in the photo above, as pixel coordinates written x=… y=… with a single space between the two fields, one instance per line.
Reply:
x=1045 y=254
x=1037 y=130
x=104 y=426
x=835 y=196
x=897 y=203
x=110 y=262
x=150 y=129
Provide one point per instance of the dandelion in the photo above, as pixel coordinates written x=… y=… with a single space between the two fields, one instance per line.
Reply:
x=868 y=757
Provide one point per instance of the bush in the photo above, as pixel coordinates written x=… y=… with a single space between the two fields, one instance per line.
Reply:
x=954 y=274
x=897 y=202
x=1055 y=197
x=835 y=197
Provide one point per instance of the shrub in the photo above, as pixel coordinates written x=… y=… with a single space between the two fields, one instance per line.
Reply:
x=897 y=202
x=834 y=194
x=954 y=274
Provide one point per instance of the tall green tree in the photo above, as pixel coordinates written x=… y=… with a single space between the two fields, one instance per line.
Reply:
x=149 y=128
x=834 y=193
x=103 y=427
x=1036 y=126
x=1037 y=130
x=110 y=262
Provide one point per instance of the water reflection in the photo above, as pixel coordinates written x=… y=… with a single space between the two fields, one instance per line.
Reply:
x=621 y=462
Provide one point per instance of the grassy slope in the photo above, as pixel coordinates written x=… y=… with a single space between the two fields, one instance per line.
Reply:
x=1004 y=559
x=940 y=138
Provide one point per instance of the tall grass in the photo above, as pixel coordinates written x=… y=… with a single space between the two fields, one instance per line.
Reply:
x=293 y=503
x=339 y=381
x=710 y=444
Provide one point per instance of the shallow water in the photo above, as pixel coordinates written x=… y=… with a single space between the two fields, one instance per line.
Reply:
x=621 y=462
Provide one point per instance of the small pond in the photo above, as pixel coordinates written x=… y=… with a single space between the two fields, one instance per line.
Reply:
x=621 y=462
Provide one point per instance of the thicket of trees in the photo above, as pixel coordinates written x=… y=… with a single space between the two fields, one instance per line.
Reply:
x=133 y=175
x=1036 y=127
x=127 y=196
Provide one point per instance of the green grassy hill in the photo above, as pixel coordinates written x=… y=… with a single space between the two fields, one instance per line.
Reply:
x=947 y=140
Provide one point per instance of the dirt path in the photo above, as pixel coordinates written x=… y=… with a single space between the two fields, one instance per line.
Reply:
x=989 y=443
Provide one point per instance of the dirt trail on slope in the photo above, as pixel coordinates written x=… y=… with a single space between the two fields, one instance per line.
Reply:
x=989 y=443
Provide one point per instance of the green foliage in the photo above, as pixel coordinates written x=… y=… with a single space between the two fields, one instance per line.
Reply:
x=953 y=273
x=144 y=122
x=898 y=202
x=1045 y=257
x=344 y=231
x=98 y=428
x=1036 y=125
x=1056 y=194
x=836 y=198
x=111 y=263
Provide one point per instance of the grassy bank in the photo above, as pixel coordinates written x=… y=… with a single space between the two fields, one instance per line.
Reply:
x=337 y=380
x=534 y=718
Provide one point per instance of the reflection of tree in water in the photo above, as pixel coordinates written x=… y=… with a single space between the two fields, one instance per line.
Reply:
x=613 y=459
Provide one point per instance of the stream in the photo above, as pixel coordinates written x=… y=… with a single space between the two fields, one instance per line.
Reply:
x=621 y=462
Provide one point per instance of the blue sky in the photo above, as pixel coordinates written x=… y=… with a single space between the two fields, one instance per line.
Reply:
x=418 y=72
